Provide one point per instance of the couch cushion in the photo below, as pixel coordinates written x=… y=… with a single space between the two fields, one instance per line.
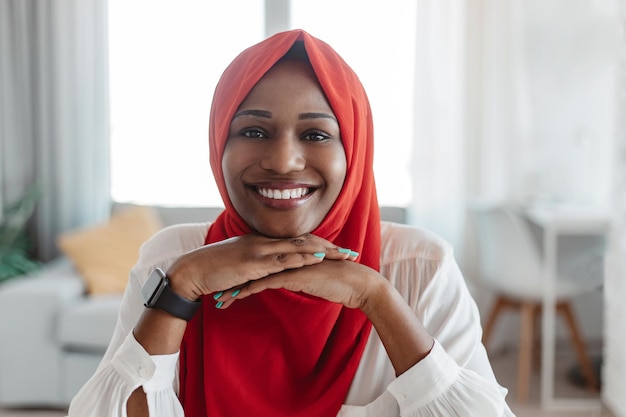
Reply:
x=105 y=253
x=87 y=326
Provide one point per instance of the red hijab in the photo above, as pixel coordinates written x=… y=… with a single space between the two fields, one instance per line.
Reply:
x=280 y=353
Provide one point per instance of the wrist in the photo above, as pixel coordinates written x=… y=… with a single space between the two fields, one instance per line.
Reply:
x=158 y=293
x=378 y=293
x=181 y=283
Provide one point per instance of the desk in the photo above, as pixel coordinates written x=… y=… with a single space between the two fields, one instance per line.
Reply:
x=558 y=221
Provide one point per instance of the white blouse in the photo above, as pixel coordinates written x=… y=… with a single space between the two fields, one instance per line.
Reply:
x=455 y=379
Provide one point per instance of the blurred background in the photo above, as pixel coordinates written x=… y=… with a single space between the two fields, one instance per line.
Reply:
x=480 y=106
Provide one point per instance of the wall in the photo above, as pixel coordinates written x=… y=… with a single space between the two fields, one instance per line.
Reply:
x=614 y=371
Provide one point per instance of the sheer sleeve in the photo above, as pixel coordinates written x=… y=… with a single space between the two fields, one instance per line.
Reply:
x=107 y=392
x=456 y=375
x=456 y=378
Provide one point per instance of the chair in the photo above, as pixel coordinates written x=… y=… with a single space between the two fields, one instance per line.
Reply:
x=511 y=266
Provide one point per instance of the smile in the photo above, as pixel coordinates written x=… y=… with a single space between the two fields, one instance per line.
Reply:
x=283 y=194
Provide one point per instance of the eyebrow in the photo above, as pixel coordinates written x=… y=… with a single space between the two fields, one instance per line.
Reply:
x=268 y=115
x=259 y=113
x=305 y=116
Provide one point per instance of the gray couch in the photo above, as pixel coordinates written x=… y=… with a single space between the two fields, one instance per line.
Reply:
x=52 y=336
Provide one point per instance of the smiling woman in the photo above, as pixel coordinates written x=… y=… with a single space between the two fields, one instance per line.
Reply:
x=306 y=304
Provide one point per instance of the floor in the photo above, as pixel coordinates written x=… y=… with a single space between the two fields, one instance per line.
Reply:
x=504 y=365
x=505 y=368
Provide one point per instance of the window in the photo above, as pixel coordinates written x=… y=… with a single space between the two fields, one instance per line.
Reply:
x=165 y=60
x=377 y=39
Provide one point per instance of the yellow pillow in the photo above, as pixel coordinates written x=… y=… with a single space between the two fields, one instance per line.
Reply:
x=104 y=254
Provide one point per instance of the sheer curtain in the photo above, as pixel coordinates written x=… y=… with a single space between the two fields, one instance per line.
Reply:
x=438 y=158
x=53 y=112
x=512 y=105
x=615 y=266
x=471 y=117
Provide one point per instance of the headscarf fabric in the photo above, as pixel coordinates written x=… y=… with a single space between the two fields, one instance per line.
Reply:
x=280 y=353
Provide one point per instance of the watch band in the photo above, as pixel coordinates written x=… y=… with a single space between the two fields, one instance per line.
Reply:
x=157 y=293
x=175 y=304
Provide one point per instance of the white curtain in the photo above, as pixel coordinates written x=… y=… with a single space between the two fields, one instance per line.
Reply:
x=472 y=118
x=438 y=161
x=513 y=104
x=54 y=112
x=615 y=266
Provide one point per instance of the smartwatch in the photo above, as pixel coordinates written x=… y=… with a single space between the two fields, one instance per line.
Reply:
x=157 y=293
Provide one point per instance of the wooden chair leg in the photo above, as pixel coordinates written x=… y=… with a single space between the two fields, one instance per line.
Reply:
x=537 y=349
x=526 y=348
x=565 y=308
x=492 y=318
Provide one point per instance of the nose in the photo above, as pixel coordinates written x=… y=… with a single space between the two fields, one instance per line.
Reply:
x=283 y=154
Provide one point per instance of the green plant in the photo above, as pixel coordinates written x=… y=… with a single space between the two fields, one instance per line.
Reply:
x=15 y=243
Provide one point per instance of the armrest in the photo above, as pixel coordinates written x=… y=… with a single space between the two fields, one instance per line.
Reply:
x=30 y=357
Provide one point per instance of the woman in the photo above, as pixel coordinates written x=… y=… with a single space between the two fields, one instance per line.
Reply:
x=297 y=300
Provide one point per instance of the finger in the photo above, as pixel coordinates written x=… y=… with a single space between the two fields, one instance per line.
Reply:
x=222 y=305
x=224 y=299
x=339 y=253
x=280 y=262
x=274 y=282
x=302 y=244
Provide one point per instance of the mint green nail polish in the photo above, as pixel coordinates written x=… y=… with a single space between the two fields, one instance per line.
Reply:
x=344 y=250
x=319 y=254
x=218 y=295
x=219 y=305
x=353 y=253
x=234 y=294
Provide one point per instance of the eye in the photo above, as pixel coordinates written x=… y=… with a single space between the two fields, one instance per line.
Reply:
x=316 y=136
x=253 y=133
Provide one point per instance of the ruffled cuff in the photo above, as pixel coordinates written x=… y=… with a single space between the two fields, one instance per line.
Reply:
x=425 y=381
x=108 y=390
x=437 y=385
x=162 y=400
x=155 y=373
x=133 y=363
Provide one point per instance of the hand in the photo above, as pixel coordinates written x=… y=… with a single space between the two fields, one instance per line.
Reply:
x=338 y=281
x=231 y=263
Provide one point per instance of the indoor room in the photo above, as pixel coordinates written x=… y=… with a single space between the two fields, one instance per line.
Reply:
x=498 y=131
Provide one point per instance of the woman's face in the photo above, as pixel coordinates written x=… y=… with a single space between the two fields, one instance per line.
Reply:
x=284 y=162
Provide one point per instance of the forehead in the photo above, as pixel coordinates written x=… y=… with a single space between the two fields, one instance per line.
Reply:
x=288 y=81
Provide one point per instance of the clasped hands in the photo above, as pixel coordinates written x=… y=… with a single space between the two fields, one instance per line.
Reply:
x=238 y=267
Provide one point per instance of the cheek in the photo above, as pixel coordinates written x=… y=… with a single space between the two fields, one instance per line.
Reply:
x=233 y=164
x=336 y=170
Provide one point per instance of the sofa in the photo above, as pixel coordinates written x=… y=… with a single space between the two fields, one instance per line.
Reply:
x=53 y=334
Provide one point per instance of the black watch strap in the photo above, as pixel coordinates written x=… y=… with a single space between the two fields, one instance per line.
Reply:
x=175 y=304
x=157 y=293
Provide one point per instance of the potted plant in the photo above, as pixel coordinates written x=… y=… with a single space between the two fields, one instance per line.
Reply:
x=15 y=243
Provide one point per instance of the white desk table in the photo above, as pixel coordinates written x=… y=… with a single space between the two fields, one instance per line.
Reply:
x=558 y=221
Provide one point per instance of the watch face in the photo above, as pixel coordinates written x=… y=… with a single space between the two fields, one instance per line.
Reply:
x=153 y=287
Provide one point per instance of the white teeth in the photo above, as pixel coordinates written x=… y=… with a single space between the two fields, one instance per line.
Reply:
x=283 y=194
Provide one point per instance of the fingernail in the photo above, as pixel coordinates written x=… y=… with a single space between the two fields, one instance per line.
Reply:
x=319 y=254
x=353 y=253
x=218 y=295
x=234 y=294
x=344 y=250
x=219 y=305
